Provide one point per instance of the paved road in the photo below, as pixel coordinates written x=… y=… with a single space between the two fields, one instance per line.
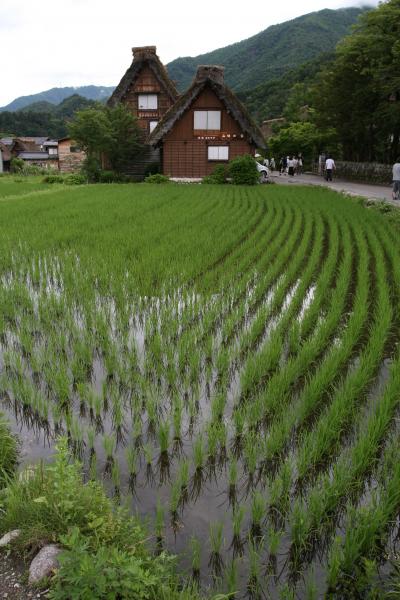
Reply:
x=373 y=192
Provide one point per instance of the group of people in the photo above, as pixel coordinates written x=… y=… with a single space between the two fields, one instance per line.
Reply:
x=269 y=163
x=291 y=165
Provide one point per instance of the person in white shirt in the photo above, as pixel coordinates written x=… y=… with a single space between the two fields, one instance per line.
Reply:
x=291 y=165
x=396 y=180
x=329 y=167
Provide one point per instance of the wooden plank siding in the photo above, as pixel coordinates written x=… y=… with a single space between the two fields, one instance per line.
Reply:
x=147 y=83
x=185 y=150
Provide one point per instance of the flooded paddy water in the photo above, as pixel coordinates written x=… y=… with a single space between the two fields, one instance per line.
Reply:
x=218 y=393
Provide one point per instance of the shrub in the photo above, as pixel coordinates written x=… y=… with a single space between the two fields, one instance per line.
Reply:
x=75 y=179
x=91 y=169
x=109 y=572
x=105 y=553
x=218 y=176
x=152 y=169
x=33 y=170
x=107 y=177
x=45 y=502
x=157 y=178
x=112 y=177
x=17 y=165
x=53 y=178
x=243 y=170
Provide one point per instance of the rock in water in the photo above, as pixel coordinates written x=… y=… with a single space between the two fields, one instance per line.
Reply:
x=9 y=537
x=44 y=563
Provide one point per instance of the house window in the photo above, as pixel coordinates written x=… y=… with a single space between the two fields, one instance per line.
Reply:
x=147 y=102
x=218 y=152
x=53 y=151
x=74 y=149
x=207 y=119
x=152 y=125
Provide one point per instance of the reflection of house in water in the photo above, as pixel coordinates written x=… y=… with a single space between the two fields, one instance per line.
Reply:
x=148 y=92
x=70 y=156
x=38 y=151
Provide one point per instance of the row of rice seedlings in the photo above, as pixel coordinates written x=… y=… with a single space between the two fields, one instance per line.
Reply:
x=258 y=260
x=282 y=232
x=246 y=252
x=285 y=376
x=265 y=361
x=278 y=390
x=366 y=530
x=315 y=516
x=321 y=299
x=319 y=444
x=260 y=310
x=233 y=252
x=223 y=311
x=223 y=376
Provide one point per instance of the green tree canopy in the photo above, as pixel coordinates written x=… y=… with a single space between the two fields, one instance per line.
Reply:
x=305 y=138
x=359 y=93
x=112 y=132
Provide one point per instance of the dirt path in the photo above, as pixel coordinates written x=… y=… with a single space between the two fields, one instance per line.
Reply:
x=372 y=192
x=13 y=584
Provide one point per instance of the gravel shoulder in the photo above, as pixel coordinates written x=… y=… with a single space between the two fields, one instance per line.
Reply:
x=13 y=584
x=372 y=192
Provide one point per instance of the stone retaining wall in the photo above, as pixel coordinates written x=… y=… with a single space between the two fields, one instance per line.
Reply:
x=366 y=172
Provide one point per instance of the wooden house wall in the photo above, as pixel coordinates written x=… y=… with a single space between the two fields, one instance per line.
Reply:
x=185 y=151
x=147 y=83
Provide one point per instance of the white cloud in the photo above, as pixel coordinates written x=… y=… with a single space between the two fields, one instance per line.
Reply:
x=46 y=44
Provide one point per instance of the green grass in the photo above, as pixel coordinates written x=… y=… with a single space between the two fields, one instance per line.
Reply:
x=13 y=186
x=208 y=351
x=8 y=452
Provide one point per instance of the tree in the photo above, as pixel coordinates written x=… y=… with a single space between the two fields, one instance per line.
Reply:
x=110 y=132
x=305 y=138
x=359 y=93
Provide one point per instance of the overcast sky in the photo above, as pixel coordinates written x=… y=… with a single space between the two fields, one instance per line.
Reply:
x=49 y=43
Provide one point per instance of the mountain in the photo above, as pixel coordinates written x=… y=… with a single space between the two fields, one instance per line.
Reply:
x=261 y=69
x=43 y=118
x=57 y=95
x=269 y=54
x=267 y=100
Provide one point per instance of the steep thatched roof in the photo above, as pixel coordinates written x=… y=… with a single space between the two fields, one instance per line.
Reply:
x=208 y=76
x=144 y=56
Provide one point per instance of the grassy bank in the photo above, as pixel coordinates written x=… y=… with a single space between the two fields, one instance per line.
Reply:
x=8 y=452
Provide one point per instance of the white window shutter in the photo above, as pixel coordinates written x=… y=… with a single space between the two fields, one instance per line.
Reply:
x=214 y=119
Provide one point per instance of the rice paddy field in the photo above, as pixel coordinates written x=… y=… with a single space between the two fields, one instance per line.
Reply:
x=226 y=360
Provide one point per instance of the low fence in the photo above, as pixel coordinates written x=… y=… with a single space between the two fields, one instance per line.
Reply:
x=366 y=172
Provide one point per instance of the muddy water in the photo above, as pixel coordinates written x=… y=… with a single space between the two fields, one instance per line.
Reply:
x=212 y=504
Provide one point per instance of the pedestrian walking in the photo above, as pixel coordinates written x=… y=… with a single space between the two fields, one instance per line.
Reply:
x=291 y=166
x=329 y=168
x=272 y=164
x=396 y=180
x=282 y=165
x=299 y=164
